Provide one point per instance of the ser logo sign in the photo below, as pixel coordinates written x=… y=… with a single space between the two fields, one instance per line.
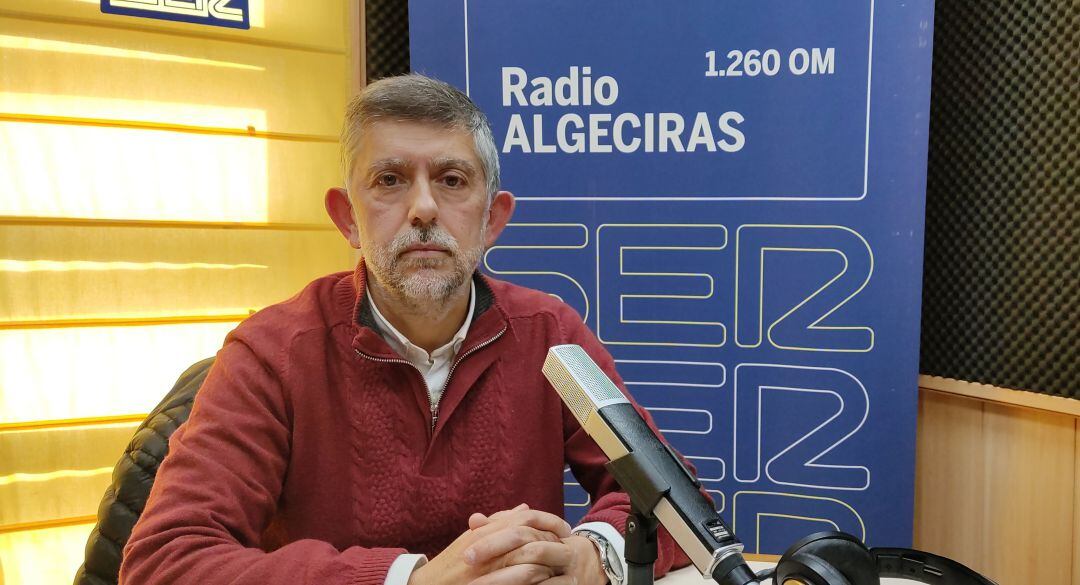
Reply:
x=230 y=13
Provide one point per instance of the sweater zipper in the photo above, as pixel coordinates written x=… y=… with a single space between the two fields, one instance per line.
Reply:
x=427 y=390
x=423 y=380
x=475 y=348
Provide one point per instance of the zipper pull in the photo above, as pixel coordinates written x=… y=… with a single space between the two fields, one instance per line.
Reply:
x=434 y=418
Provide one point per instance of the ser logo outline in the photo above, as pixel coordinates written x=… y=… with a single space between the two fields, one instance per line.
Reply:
x=228 y=13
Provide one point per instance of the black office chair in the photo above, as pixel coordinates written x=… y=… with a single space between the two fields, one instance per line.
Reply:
x=132 y=478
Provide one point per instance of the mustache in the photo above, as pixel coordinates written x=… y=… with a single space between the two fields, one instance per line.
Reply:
x=428 y=234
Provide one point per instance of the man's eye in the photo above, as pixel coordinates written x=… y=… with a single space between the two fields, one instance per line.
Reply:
x=453 y=181
x=387 y=180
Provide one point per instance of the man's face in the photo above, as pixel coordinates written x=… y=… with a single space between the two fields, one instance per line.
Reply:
x=421 y=207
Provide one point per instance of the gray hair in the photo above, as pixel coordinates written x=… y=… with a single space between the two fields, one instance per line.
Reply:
x=416 y=98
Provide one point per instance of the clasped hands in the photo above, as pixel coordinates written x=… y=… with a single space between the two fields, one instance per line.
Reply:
x=515 y=547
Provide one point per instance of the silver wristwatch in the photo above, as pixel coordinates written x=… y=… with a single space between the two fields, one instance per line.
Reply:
x=609 y=559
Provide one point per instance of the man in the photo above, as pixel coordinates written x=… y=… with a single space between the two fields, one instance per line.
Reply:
x=397 y=413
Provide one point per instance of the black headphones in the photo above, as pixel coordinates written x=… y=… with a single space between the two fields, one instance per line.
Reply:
x=836 y=558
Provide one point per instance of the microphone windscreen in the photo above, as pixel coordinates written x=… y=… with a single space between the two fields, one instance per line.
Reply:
x=583 y=386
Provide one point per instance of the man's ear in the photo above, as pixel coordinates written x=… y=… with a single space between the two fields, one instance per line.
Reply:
x=339 y=208
x=499 y=213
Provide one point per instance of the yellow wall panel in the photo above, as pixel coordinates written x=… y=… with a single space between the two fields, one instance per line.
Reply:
x=289 y=91
x=58 y=472
x=1029 y=488
x=29 y=455
x=38 y=105
x=951 y=462
x=43 y=557
x=57 y=170
x=299 y=173
x=319 y=25
x=79 y=171
x=107 y=117
x=996 y=484
x=64 y=272
x=63 y=373
x=1076 y=507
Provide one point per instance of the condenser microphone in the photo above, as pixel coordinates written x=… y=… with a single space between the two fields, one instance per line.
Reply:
x=644 y=465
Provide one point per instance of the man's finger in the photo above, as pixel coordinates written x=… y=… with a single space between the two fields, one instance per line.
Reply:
x=503 y=541
x=516 y=575
x=477 y=519
x=537 y=519
x=544 y=521
x=557 y=555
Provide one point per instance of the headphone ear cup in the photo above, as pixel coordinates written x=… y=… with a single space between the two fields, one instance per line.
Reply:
x=835 y=557
x=805 y=568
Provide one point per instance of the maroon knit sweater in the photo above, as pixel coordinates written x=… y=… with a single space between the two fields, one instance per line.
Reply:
x=310 y=457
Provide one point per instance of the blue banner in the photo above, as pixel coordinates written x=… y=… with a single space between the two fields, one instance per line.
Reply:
x=731 y=195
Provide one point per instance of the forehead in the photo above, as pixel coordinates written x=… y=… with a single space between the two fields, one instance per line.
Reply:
x=417 y=142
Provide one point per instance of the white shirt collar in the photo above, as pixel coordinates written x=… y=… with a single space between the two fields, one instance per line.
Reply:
x=417 y=355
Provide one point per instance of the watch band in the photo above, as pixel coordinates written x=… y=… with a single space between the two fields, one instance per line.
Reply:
x=609 y=560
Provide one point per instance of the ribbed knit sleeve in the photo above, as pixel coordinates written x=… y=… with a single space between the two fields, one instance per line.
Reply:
x=214 y=496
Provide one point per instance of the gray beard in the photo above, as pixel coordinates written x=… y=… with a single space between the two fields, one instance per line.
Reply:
x=413 y=282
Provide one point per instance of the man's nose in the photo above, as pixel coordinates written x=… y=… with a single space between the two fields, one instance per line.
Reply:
x=423 y=209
